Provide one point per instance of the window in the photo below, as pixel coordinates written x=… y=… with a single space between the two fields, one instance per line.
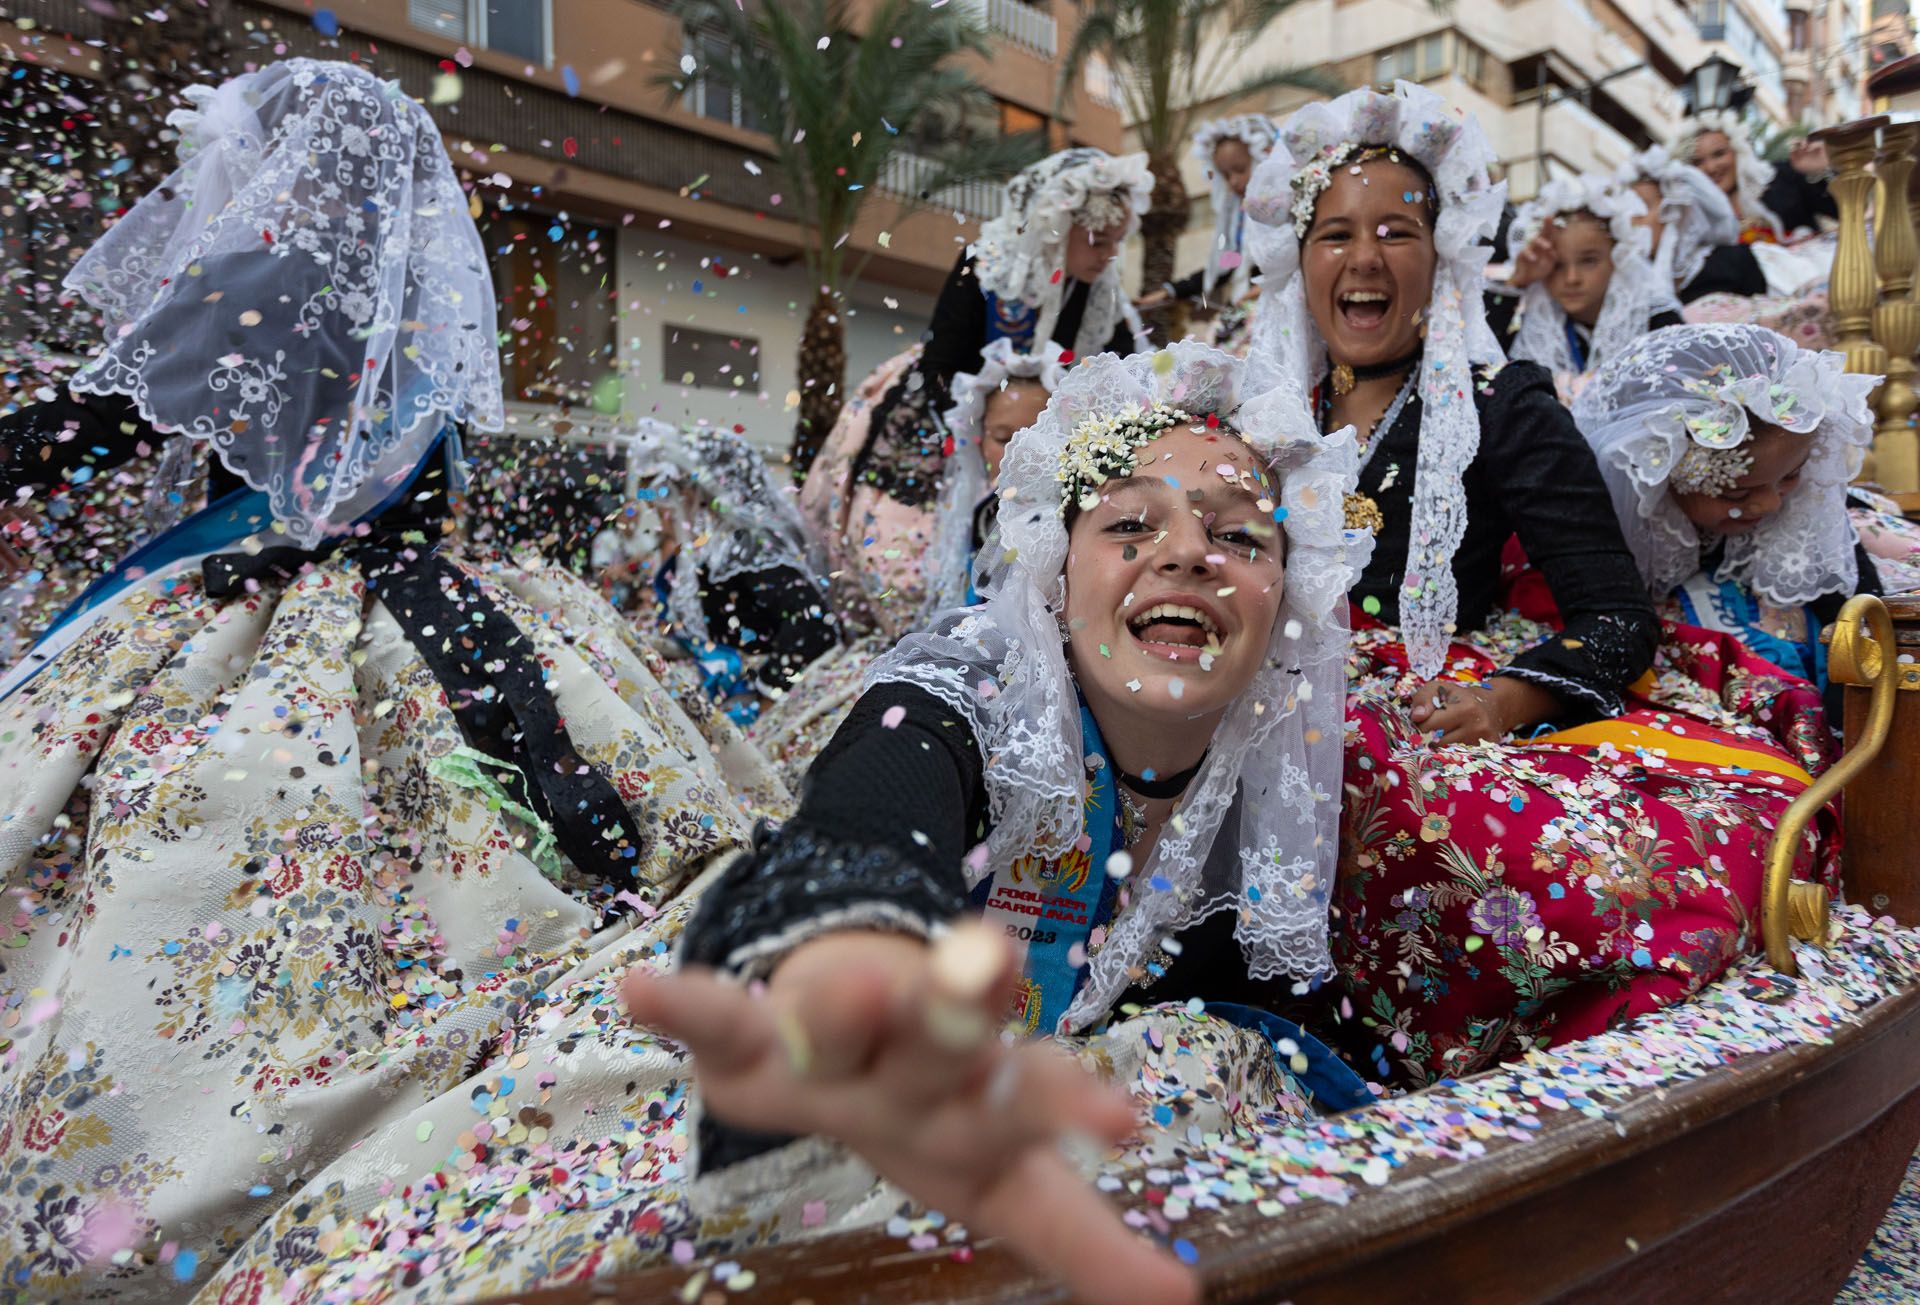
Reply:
x=554 y=279
x=1797 y=30
x=516 y=27
x=1018 y=121
x=713 y=93
x=709 y=360
x=1710 y=16
x=1431 y=56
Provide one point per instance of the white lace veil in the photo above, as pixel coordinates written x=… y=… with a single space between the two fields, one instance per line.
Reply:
x=306 y=291
x=1258 y=830
x=1255 y=131
x=1635 y=291
x=729 y=515
x=1752 y=174
x=1288 y=351
x=1020 y=255
x=1696 y=386
x=949 y=564
x=1695 y=217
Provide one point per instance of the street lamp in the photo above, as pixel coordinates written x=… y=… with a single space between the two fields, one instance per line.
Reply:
x=1715 y=84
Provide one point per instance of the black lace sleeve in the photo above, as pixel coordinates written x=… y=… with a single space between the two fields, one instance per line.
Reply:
x=891 y=807
x=1551 y=493
x=1191 y=286
x=778 y=613
x=906 y=436
x=1729 y=269
x=1799 y=200
x=49 y=444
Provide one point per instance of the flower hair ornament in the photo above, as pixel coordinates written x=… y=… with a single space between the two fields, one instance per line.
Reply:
x=306 y=292
x=1695 y=216
x=1676 y=413
x=949 y=562
x=1635 y=291
x=1752 y=174
x=1226 y=255
x=1288 y=354
x=1020 y=255
x=1275 y=758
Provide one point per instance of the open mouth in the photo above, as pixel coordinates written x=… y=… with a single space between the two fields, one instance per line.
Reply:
x=1365 y=310
x=1175 y=631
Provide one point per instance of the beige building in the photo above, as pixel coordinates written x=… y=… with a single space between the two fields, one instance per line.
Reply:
x=643 y=259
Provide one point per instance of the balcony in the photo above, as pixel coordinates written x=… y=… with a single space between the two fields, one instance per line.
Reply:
x=907 y=175
x=1032 y=29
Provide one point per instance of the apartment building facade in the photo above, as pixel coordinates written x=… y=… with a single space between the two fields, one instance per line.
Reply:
x=642 y=257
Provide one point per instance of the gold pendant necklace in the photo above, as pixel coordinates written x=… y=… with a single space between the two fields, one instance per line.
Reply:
x=1343 y=379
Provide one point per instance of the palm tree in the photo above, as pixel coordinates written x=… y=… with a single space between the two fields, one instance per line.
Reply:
x=844 y=107
x=1165 y=57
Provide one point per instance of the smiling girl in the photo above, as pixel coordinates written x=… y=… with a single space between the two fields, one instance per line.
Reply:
x=1137 y=734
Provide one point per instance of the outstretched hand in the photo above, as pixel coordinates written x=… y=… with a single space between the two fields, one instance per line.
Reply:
x=892 y=1047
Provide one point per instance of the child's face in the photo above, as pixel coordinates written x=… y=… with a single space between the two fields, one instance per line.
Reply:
x=1778 y=460
x=1582 y=267
x=1012 y=408
x=1089 y=252
x=1234 y=162
x=1174 y=580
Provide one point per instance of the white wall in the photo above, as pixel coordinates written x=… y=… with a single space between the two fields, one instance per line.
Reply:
x=758 y=299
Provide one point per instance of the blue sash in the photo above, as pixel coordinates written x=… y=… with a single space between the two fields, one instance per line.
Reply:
x=1050 y=907
x=1011 y=320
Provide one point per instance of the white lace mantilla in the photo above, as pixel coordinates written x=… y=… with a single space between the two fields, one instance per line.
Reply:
x=1702 y=387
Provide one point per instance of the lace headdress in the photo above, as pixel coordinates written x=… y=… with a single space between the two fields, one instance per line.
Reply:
x=729 y=515
x=306 y=291
x=1257 y=832
x=1287 y=348
x=1676 y=411
x=949 y=565
x=1225 y=256
x=1752 y=174
x=1021 y=255
x=1635 y=291
x=1695 y=216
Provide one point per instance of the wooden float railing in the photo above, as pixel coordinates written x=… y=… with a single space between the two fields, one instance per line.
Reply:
x=1870 y=294
x=1791 y=908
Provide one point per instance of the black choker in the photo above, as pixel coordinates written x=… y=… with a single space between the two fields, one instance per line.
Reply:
x=1344 y=378
x=1167 y=786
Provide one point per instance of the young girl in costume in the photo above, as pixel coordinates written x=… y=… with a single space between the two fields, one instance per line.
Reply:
x=1586 y=281
x=1228 y=150
x=1688 y=219
x=1490 y=897
x=301 y=804
x=1728 y=451
x=1043 y=270
x=1005 y=395
x=737 y=583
